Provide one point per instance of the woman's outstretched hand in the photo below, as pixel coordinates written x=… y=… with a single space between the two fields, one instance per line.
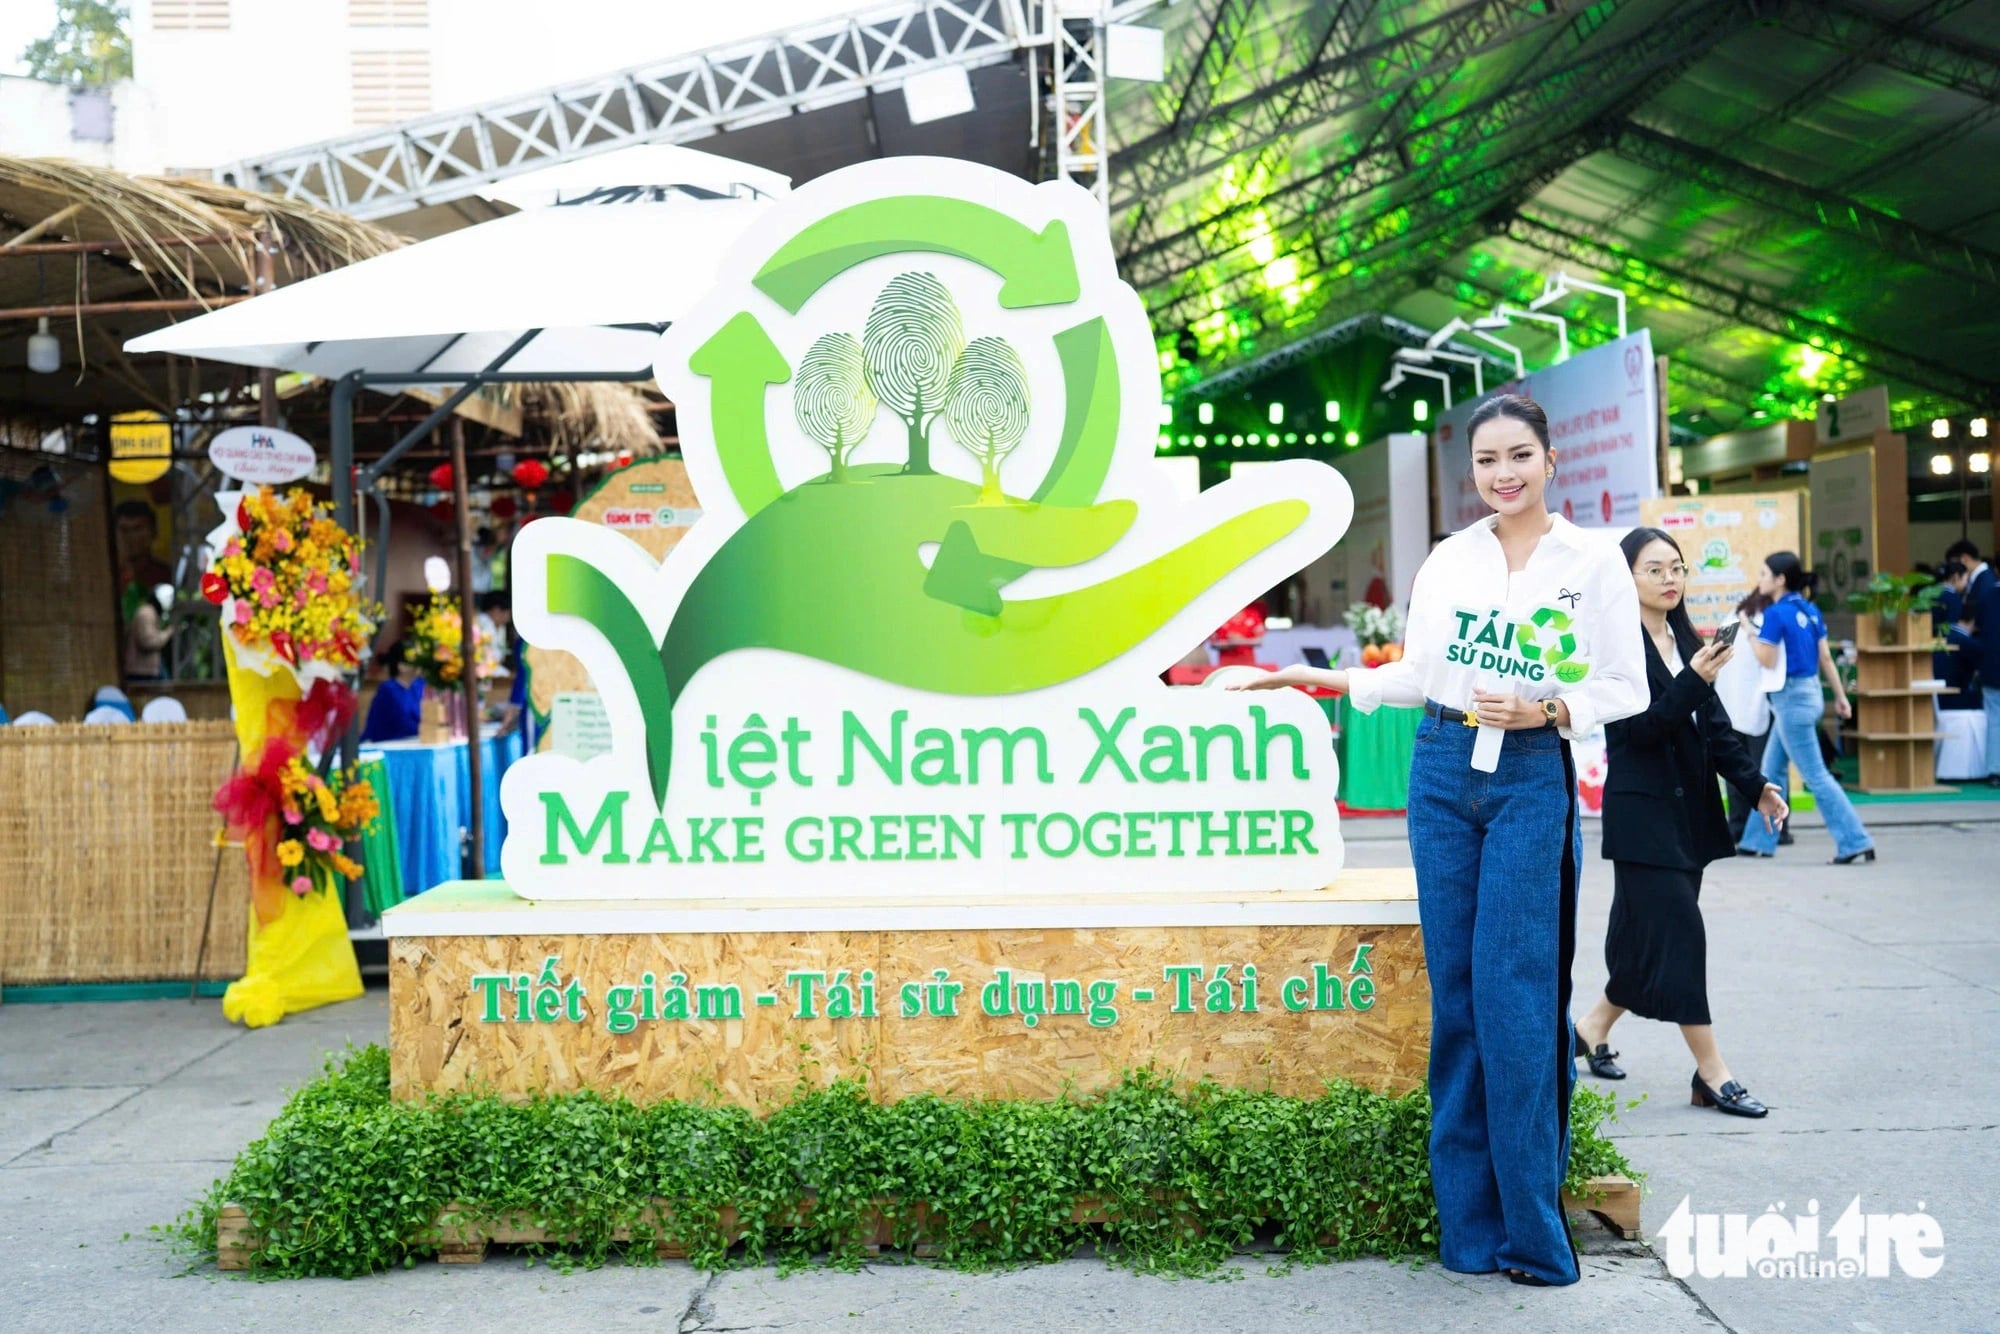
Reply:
x=1327 y=678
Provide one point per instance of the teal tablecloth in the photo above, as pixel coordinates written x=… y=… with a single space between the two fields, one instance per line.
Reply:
x=381 y=861
x=427 y=796
x=1374 y=750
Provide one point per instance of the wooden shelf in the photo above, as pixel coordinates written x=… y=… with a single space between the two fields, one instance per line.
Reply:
x=1938 y=689
x=1895 y=648
x=1938 y=789
x=1893 y=736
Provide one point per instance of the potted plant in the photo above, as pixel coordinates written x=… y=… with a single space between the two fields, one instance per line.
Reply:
x=1895 y=608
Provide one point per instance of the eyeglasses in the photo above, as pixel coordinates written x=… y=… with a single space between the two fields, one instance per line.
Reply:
x=1661 y=574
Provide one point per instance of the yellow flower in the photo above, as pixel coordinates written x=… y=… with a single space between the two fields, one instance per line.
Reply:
x=291 y=852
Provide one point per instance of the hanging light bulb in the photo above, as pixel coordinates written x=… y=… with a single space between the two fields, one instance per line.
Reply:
x=44 y=352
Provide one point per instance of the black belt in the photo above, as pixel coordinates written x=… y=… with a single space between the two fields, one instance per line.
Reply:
x=1437 y=710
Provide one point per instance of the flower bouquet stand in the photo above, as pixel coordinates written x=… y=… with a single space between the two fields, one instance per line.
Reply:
x=294 y=628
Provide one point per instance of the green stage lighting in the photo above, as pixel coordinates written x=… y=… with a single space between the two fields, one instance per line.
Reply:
x=1353 y=439
x=1205 y=413
x=1422 y=411
x=1332 y=411
x=1277 y=414
x=1166 y=412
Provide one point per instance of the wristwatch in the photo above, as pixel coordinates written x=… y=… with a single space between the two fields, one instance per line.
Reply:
x=1549 y=712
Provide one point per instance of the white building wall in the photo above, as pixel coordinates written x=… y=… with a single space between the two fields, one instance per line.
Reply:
x=37 y=120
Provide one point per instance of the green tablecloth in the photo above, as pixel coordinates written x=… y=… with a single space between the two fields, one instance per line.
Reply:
x=381 y=858
x=1374 y=750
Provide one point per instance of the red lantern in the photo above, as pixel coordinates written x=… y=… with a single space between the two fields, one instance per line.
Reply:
x=531 y=473
x=560 y=502
x=441 y=477
x=443 y=510
x=502 y=507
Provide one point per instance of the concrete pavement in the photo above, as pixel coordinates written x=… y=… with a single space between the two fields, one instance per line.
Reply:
x=1859 y=1002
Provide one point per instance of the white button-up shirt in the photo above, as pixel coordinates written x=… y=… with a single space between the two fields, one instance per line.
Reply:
x=1565 y=626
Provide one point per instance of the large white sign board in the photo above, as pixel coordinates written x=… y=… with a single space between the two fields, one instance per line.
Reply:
x=912 y=644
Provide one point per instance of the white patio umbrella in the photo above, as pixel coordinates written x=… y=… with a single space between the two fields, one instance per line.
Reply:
x=577 y=286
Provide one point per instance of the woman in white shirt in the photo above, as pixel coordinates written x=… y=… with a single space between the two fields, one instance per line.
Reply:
x=1523 y=634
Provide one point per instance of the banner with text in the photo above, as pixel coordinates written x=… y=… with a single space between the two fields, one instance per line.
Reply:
x=1603 y=408
x=1725 y=539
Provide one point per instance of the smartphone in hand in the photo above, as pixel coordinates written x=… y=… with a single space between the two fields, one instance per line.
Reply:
x=1726 y=636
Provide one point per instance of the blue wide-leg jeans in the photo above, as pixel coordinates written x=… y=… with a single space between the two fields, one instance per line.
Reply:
x=1795 y=715
x=1496 y=858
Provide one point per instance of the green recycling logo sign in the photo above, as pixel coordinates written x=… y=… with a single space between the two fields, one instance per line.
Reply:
x=918 y=407
x=1545 y=638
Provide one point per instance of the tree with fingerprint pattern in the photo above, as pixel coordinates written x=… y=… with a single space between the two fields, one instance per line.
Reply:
x=909 y=345
x=831 y=399
x=986 y=408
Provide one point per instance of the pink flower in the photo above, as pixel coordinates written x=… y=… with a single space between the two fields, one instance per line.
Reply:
x=320 y=840
x=243 y=613
x=233 y=547
x=302 y=886
x=292 y=815
x=261 y=579
x=299 y=596
x=317 y=583
x=267 y=596
x=282 y=540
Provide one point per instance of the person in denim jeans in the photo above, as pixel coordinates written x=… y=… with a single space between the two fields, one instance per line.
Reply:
x=1796 y=710
x=1523 y=633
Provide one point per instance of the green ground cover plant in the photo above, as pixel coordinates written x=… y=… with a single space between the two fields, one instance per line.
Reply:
x=1158 y=1176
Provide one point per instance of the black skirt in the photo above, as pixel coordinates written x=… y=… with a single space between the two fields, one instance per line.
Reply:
x=1656 y=949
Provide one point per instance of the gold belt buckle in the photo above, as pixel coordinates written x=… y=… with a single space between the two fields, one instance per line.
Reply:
x=1468 y=717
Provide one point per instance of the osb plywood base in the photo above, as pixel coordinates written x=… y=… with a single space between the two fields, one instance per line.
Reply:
x=444 y=1033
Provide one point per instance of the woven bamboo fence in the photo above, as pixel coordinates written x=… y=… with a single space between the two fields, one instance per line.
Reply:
x=107 y=847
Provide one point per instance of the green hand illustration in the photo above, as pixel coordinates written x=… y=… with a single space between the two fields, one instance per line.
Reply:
x=870 y=605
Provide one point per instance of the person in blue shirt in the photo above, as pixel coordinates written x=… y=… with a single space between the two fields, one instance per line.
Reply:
x=1793 y=621
x=398 y=710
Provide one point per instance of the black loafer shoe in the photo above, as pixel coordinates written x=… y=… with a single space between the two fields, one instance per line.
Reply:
x=1600 y=1058
x=1732 y=1098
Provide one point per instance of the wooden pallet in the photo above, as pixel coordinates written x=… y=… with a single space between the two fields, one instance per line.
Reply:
x=459 y=1241
x=1615 y=1201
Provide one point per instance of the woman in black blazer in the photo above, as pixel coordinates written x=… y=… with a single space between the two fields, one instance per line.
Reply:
x=1663 y=822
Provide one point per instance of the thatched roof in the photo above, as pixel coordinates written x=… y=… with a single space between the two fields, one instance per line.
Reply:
x=193 y=241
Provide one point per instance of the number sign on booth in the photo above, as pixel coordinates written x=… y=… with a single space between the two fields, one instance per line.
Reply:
x=912 y=643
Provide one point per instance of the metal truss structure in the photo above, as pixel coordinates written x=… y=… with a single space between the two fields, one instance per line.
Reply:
x=1313 y=162
x=449 y=156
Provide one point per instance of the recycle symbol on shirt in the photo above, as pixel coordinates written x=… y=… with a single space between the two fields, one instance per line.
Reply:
x=1545 y=638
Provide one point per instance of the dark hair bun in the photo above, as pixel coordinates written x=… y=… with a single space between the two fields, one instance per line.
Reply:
x=1512 y=406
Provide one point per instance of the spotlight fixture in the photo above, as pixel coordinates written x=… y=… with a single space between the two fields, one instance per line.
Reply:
x=1562 y=285
x=1508 y=314
x=1979 y=428
x=1980 y=462
x=1941 y=465
x=1940 y=429
x=1205 y=413
x=1442 y=377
